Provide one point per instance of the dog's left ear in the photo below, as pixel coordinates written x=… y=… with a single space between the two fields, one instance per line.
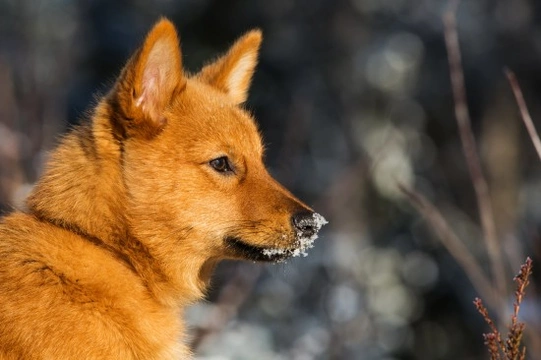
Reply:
x=232 y=73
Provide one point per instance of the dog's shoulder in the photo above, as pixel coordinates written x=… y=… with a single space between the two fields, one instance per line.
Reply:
x=42 y=254
x=47 y=270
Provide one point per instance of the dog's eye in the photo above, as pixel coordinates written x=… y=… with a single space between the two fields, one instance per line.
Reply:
x=221 y=164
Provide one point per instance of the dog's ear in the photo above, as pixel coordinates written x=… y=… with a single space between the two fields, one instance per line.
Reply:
x=149 y=82
x=232 y=73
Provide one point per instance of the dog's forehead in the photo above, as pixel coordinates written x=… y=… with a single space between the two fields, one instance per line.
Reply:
x=212 y=117
x=235 y=127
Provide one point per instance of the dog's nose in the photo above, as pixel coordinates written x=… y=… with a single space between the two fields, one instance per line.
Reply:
x=305 y=222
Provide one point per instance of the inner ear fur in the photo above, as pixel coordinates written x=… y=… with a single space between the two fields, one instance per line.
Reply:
x=232 y=73
x=149 y=82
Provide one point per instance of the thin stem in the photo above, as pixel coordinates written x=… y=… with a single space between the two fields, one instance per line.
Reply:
x=470 y=152
x=453 y=244
x=525 y=114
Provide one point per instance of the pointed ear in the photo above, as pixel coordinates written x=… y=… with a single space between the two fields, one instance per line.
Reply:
x=232 y=73
x=149 y=82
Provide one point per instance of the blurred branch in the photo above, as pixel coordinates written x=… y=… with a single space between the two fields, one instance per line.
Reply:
x=470 y=150
x=453 y=244
x=525 y=114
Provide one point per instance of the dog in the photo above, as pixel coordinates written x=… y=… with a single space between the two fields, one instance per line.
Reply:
x=136 y=207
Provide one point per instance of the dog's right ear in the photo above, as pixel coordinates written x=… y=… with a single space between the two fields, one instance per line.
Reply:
x=148 y=83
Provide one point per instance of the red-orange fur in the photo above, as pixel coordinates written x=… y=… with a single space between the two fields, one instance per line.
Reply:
x=127 y=223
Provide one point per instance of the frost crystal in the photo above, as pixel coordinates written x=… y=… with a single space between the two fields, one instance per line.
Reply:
x=272 y=252
x=303 y=242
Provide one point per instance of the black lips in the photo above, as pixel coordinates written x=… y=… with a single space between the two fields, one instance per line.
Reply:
x=251 y=252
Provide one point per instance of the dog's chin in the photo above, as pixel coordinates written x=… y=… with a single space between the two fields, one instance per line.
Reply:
x=244 y=250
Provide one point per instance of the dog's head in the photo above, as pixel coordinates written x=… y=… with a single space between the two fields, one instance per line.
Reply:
x=193 y=158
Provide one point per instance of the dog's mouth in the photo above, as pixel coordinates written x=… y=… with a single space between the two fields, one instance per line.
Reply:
x=256 y=252
x=304 y=240
x=261 y=253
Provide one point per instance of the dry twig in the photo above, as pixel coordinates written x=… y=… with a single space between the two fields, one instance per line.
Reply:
x=452 y=243
x=525 y=114
x=469 y=148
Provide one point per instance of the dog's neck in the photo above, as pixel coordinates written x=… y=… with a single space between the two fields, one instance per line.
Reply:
x=83 y=191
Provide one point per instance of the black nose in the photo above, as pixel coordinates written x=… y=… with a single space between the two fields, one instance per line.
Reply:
x=305 y=223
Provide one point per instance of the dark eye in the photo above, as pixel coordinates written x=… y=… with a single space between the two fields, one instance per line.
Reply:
x=221 y=164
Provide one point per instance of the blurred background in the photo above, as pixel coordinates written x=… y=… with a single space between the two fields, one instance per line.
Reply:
x=352 y=96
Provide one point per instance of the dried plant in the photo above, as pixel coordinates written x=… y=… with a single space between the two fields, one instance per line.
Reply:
x=511 y=348
x=492 y=286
